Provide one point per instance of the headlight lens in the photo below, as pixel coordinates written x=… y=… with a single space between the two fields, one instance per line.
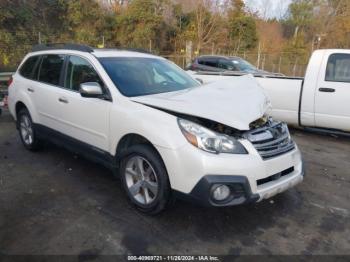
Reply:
x=208 y=140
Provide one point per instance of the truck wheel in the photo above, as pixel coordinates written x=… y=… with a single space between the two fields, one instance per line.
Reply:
x=145 y=179
x=27 y=130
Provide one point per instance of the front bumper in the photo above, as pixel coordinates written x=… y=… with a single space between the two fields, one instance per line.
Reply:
x=240 y=188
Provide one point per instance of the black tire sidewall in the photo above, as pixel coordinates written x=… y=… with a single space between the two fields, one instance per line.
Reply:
x=156 y=161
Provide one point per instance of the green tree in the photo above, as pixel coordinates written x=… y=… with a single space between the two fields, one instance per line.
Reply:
x=141 y=24
x=242 y=27
x=21 y=22
x=300 y=15
x=85 y=22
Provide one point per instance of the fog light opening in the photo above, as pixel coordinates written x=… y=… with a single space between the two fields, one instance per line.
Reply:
x=220 y=192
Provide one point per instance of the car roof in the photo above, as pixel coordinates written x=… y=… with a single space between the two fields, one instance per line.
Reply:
x=122 y=53
x=98 y=53
x=219 y=56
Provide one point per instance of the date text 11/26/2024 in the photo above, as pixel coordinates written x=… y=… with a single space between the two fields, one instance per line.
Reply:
x=173 y=258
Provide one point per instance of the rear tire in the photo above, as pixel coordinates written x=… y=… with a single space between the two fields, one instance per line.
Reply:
x=145 y=179
x=27 y=130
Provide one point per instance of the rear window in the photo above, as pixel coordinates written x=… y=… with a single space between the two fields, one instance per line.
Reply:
x=50 y=69
x=28 y=67
x=338 y=68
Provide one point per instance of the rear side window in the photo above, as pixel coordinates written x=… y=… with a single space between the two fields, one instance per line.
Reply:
x=200 y=61
x=80 y=71
x=50 y=69
x=28 y=67
x=210 y=61
x=338 y=68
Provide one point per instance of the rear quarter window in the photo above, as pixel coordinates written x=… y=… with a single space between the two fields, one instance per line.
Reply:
x=28 y=67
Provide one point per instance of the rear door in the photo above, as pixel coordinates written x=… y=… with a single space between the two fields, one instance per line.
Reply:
x=332 y=97
x=45 y=89
x=85 y=119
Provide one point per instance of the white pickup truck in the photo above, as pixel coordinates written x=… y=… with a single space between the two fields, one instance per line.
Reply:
x=320 y=100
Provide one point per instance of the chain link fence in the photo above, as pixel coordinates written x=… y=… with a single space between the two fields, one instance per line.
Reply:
x=282 y=63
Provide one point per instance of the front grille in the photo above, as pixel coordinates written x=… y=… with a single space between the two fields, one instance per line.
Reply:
x=275 y=176
x=271 y=140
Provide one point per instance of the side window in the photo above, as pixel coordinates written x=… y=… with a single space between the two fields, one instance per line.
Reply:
x=226 y=64
x=200 y=61
x=338 y=68
x=27 y=68
x=50 y=69
x=213 y=62
x=80 y=71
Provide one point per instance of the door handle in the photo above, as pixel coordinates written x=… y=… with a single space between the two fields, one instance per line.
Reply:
x=31 y=90
x=326 y=90
x=63 y=100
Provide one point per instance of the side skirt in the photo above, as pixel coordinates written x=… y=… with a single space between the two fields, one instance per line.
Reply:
x=325 y=131
x=87 y=151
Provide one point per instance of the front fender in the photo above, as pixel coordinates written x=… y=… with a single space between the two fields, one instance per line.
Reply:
x=158 y=127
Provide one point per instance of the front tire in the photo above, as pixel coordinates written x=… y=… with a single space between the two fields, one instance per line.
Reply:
x=27 y=131
x=145 y=179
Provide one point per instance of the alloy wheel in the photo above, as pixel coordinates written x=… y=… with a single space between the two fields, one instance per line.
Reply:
x=141 y=180
x=26 y=130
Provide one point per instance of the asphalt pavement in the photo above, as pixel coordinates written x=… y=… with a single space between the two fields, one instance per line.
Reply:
x=54 y=202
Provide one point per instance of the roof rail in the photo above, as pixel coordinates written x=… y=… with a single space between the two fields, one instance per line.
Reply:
x=139 y=50
x=55 y=46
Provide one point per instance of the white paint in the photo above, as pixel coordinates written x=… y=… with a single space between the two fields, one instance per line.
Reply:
x=102 y=124
x=318 y=109
x=225 y=101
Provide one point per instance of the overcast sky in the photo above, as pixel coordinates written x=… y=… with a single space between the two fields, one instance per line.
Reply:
x=269 y=8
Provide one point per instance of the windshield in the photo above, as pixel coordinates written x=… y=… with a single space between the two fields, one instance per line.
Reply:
x=244 y=65
x=135 y=76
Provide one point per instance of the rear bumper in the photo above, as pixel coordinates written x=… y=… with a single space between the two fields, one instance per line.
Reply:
x=240 y=188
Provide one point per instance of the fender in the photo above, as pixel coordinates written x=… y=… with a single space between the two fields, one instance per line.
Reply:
x=23 y=97
x=135 y=118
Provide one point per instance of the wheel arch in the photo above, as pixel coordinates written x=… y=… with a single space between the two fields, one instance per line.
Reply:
x=19 y=106
x=132 y=139
x=25 y=102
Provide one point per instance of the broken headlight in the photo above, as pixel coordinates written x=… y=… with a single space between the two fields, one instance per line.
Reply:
x=208 y=140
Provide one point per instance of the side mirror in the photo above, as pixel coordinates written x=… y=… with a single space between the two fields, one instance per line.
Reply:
x=200 y=81
x=91 y=90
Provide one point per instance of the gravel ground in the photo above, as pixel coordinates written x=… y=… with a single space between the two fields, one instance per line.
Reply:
x=53 y=202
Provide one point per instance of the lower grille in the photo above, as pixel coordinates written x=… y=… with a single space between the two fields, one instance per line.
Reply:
x=271 y=140
x=275 y=176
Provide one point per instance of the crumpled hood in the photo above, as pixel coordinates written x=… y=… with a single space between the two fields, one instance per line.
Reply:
x=234 y=102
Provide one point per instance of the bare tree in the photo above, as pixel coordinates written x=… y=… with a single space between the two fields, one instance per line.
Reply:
x=207 y=21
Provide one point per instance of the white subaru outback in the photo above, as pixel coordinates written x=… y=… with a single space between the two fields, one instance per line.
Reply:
x=159 y=129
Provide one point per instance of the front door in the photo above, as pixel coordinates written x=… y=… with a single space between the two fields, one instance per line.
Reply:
x=85 y=119
x=332 y=97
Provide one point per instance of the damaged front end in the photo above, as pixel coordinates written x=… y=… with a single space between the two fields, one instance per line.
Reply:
x=270 y=138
